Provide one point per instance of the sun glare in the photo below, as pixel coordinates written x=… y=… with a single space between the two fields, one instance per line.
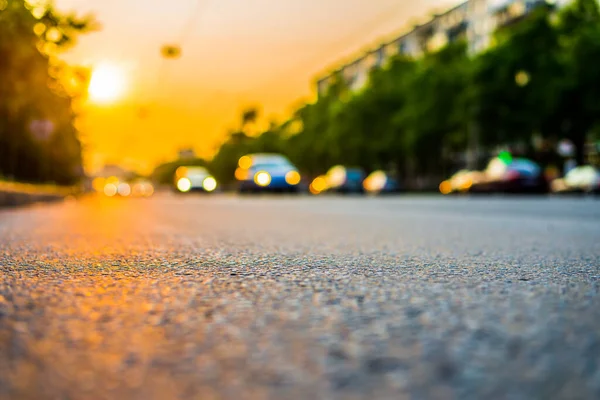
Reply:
x=107 y=84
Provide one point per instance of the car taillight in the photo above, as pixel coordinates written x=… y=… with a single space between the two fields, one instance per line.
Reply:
x=512 y=175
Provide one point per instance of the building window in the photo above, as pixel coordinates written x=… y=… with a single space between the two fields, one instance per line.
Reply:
x=457 y=32
x=402 y=47
x=436 y=42
x=380 y=56
x=322 y=86
x=391 y=50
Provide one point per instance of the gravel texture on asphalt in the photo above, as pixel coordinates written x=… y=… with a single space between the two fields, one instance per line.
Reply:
x=202 y=297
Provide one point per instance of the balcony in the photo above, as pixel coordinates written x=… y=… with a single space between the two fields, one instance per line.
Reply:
x=509 y=13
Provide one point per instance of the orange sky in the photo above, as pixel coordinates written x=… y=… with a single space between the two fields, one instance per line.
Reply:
x=238 y=53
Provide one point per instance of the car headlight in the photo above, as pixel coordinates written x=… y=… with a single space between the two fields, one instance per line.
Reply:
x=209 y=184
x=262 y=178
x=124 y=189
x=184 y=185
x=337 y=176
x=292 y=178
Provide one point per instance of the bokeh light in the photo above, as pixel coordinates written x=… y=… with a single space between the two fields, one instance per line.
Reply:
x=245 y=162
x=98 y=184
x=110 y=189
x=318 y=185
x=241 y=174
x=209 y=184
x=292 y=178
x=522 y=78
x=142 y=189
x=184 y=185
x=124 y=189
x=262 y=178
x=336 y=176
x=375 y=182
x=181 y=172
x=445 y=187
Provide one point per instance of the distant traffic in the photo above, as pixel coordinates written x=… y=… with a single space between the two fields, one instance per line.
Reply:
x=505 y=174
x=275 y=173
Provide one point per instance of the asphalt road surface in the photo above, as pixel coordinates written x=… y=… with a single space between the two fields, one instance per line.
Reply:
x=206 y=297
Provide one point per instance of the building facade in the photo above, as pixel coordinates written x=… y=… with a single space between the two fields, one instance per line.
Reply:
x=473 y=20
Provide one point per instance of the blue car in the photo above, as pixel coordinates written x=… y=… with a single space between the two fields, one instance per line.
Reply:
x=267 y=173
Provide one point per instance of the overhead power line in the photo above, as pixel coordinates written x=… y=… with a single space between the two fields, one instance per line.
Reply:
x=188 y=28
x=174 y=50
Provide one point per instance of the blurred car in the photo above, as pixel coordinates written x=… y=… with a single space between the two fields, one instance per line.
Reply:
x=583 y=179
x=194 y=179
x=112 y=186
x=267 y=172
x=379 y=182
x=518 y=175
x=342 y=179
x=461 y=182
x=141 y=188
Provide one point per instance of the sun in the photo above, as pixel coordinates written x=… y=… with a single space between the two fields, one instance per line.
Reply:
x=107 y=84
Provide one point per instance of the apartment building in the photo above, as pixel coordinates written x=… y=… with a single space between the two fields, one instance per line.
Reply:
x=473 y=20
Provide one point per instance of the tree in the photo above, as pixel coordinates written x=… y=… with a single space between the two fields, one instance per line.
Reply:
x=518 y=82
x=434 y=117
x=249 y=116
x=34 y=87
x=579 y=109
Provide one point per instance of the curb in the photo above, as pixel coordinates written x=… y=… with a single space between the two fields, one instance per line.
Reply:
x=19 y=194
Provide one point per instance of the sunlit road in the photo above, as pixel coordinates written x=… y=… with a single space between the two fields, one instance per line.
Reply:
x=301 y=298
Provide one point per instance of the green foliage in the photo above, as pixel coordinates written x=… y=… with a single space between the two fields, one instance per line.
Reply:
x=31 y=90
x=416 y=117
x=518 y=82
x=578 y=111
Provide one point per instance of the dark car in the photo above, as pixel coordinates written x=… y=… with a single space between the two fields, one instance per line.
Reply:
x=342 y=179
x=518 y=175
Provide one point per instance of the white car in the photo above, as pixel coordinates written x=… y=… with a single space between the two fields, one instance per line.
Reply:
x=194 y=179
